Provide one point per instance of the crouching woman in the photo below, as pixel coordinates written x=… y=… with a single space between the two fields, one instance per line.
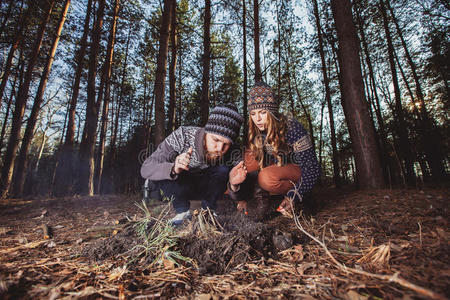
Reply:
x=280 y=158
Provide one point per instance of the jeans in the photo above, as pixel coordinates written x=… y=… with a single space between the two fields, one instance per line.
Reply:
x=207 y=185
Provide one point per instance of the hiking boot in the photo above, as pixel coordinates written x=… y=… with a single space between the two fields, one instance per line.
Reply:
x=260 y=207
x=179 y=218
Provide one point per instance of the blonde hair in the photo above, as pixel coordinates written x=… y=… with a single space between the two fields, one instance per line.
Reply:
x=276 y=138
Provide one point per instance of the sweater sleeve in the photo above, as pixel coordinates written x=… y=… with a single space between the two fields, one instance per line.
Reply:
x=158 y=165
x=304 y=156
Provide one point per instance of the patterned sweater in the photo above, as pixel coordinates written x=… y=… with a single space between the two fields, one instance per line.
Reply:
x=158 y=165
x=302 y=154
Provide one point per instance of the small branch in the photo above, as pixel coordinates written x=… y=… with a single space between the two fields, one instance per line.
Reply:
x=390 y=278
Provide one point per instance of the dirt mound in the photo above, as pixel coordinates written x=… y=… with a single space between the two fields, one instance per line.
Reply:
x=240 y=240
x=113 y=246
x=236 y=240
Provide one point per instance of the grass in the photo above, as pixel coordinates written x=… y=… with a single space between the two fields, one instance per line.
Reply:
x=158 y=237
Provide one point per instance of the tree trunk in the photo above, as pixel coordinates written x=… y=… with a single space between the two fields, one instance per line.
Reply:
x=256 y=35
x=8 y=109
x=305 y=111
x=400 y=119
x=107 y=82
x=327 y=96
x=279 y=54
x=362 y=132
x=21 y=26
x=180 y=91
x=244 y=65
x=381 y=126
x=172 y=69
x=19 y=109
x=21 y=169
x=87 y=146
x=321 y=142
x=160 y=115
x=204 y=104
x=64 y=171
x=112 y=146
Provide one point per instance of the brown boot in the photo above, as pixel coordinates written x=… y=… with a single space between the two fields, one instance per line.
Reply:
x=260 y=204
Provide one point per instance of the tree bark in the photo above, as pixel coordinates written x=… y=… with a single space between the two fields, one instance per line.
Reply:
x=204 y=104
x=256 y=36
x=244 y=65
x=160 y=115
x=279 y=53
x=172 y=69
x=87 y=146
x=400 y=118
x=8 y=109
x=381 y=126
x=64 y=171
x=19 y=108
x=21 y=169
x=362 y=132
x=327 y=96
x=107 y=84
x=112 y=147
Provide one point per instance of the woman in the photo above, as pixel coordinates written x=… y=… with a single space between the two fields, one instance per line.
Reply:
x=280 y=158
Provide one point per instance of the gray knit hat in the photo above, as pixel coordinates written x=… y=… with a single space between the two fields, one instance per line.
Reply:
x=225 y=121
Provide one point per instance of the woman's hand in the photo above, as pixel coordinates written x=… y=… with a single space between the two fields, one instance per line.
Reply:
x=237 y=175
x=286 y=207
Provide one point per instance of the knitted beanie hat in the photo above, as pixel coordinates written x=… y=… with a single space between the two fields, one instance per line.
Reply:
x=262 y=97
x=225 y=121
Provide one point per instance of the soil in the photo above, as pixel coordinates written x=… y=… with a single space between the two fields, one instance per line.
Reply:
x=93 y=250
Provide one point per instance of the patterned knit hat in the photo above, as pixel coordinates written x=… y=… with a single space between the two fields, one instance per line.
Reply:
x=261 y=97
x=225 y=121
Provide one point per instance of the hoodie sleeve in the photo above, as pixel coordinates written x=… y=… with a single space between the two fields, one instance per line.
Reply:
x=304 y=156
x=158 y=165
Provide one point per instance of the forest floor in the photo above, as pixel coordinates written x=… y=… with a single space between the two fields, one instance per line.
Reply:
x=384 y=244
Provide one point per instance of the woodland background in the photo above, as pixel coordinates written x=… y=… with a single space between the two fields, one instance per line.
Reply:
x=89 y=86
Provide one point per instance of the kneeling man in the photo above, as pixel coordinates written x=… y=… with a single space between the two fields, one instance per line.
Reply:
x=189 y=162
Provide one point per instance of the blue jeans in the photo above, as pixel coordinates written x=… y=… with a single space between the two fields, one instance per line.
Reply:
x=208 y=185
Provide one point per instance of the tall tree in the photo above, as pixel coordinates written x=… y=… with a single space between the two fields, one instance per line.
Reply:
x=362 y=132
x=19 y=108
x=8 y=106
x=400 y=124
x=204 y=104
x=244 y=65
x=106 y=79
x=87 y=146
x=160 y=115
x=376 y=103
x=256 y=37
x=32 y=119
x=172 y=68
x=327 y=95
x=64 y=169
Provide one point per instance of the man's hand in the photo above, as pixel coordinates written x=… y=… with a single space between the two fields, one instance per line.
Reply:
x=237 y=175
x=182 y=162
x=286 y=207
x=242 y=207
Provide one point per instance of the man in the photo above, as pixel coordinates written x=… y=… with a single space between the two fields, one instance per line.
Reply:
x=188 y=162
